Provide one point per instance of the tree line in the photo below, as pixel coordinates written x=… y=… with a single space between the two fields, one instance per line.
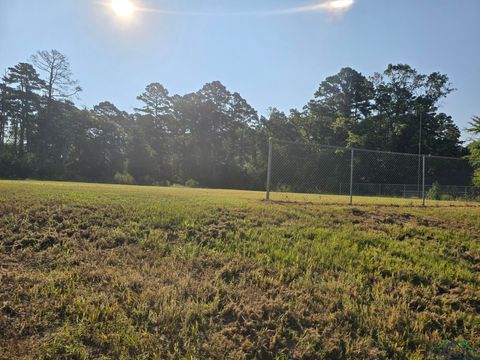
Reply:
x=211 y=137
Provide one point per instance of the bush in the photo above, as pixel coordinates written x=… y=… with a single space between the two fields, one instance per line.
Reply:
x=123 y=178
x=476 y=178
x=434 y=193
x=283 y=188
x=192 y=183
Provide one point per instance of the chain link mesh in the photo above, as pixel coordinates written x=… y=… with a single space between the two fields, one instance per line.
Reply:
x=308 y=168
x=319 y=169
x=449 y=179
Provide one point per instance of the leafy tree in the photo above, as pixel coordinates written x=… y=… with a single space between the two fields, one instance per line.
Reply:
x=347 y=94
x=474 y=149
x=403 y=98
x=109 y=111
x=280 y=126
x=95 y=147
x=340 y=103
x=141 y=157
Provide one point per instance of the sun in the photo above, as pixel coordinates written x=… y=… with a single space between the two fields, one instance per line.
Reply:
x=340 y=4
x=123 y=8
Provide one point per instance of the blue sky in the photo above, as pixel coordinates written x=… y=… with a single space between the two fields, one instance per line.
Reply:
x=270 y=59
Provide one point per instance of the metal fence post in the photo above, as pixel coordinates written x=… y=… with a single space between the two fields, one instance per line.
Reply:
x=351 y=176
x=269 y=167
x=423 y=181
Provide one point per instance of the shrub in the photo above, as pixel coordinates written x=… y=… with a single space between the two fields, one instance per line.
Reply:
x=435 y=192
x=476 y=177
x=192 y=183
x=283 y=188
x=123 y=178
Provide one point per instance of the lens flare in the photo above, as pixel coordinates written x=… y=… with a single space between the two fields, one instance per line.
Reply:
x=123 y=8
x=338 y=4
x=334 y=6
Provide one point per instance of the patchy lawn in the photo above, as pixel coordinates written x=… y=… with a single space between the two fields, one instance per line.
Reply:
x=110 y=271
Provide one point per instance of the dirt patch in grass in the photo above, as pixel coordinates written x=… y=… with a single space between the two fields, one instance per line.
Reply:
x=377 y=219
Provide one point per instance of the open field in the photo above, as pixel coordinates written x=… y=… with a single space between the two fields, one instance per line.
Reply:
x=110 y=271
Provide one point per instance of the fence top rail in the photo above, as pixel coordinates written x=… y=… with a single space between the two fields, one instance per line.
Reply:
x=428 y=156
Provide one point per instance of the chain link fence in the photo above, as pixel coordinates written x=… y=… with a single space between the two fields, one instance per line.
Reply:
x=319 y=169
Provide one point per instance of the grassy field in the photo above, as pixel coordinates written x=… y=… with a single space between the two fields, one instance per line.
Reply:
x=110 y=271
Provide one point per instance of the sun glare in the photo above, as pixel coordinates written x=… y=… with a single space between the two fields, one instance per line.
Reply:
x=123 y=8
x=338 y=4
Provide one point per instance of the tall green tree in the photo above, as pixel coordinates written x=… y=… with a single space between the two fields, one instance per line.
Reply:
x=3 y=111
x=155 y=126
x=474 y=148
x=340 y=103
x=59 y=85
x=157 y=103
x=406 y=104
x=23 y=84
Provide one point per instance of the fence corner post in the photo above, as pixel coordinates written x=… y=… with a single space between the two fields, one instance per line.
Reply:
x=423 y=181
x=269 y=168
x=351 y=176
